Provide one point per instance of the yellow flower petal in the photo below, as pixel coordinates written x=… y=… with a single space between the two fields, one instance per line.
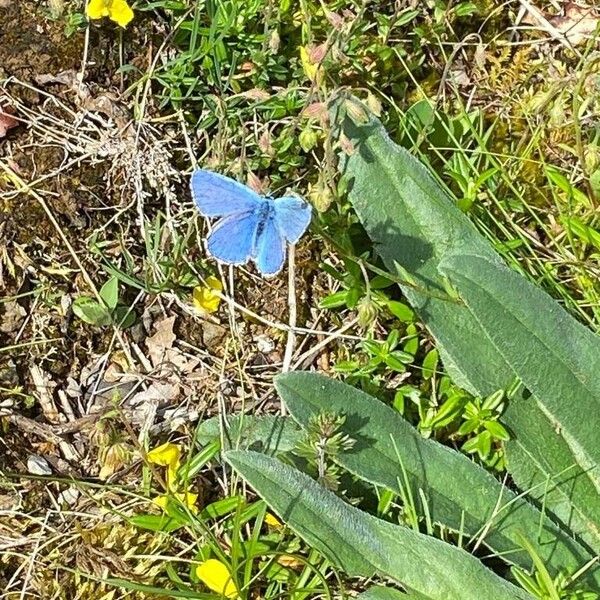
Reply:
x=216 y=576
x=161 y=501
x=205 y=300
x=96 y=9
x=188 y=498
x=120 y=12
x=273 y=521
x=165 y=455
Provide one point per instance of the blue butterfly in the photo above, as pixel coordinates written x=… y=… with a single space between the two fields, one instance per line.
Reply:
x=250 y=226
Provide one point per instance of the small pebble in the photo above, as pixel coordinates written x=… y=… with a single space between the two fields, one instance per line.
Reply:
x=37 y=465
x=68 y=496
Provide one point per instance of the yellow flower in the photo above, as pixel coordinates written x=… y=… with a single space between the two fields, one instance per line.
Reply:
x=216 y=576
x=169 y=455
x=273 y=521
x=117 y=10
x=187 y=498
x=205 y=299
x=166 y=455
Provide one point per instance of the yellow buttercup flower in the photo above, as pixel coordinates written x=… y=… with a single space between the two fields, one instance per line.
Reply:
x=205 y=299
x=186 y=498
x=117 y=10
x=216 y=576
x=166 y=455
x=169 y=455
x=273 y=521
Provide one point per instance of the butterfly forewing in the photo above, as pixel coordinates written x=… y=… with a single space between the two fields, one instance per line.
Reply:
x=293 y=217
x=219 y=196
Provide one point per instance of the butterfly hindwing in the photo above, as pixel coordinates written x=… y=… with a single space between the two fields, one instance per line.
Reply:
x=293 y=217
x=270 y=246
x=218 y=196
x=232 y=241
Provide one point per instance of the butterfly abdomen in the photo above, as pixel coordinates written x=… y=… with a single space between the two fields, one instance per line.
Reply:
x=266 y=212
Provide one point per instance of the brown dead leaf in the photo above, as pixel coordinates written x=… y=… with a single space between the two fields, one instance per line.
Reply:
x=161 y=341
x=316 y=54
x=346 y=145
x=258 y=185
x=68 y=78
x=577 y=24
x=13 y=316
x=256 y=94
x=162 y=393
x=316 y=110
x=166 y=359
x=44 y=387
x=7 y=121
x=336 y=20
x=213 y=336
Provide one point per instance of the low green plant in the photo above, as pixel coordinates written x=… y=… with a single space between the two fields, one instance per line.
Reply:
x=379 y=355
x=105 y=310
x=323 y=442
x=481 y=421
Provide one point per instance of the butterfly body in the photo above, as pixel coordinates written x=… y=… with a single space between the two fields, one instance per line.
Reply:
x=250 y=227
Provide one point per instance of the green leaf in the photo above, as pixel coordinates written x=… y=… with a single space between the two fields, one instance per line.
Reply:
x=353 y=296
x=267 y=433
x=560 y=181
x=497 y=430
x=460 y=494
x=584 y=232
x=380 y=592
x=150 y=590
x=430 y=363
x=123 y=316
x=157 y=522
x=91 y=311
x=334 y=300
x=398 y=360
x=372 y=347
x=414 y=224
x=449 y=410
x=222 y=507
x=406 y=17
x=364 y=545
x=401 y=311
x=109 y=293
x=556 y=358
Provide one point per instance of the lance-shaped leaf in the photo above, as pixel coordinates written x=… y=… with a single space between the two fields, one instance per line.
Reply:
x=414 y=224
x=379 y=592
x=558 y=360
x=459 y=494
x=362 y=544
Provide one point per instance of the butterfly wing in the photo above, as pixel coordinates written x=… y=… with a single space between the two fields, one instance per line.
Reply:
x=232 y=241
x=269 y=253
x=293 y=216
x=218 y=196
